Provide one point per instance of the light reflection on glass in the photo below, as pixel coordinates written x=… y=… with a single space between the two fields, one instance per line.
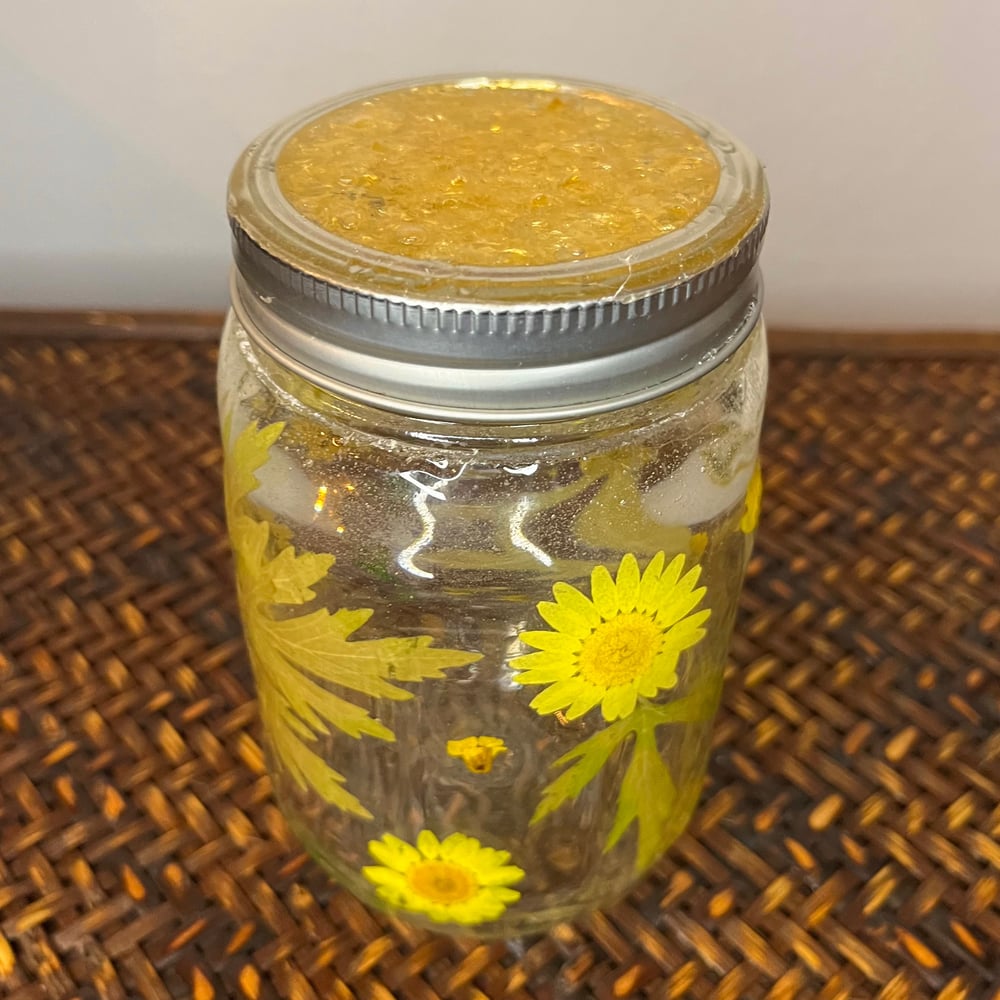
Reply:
x=518 y=537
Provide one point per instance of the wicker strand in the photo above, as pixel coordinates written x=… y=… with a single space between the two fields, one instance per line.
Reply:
x=847 y=841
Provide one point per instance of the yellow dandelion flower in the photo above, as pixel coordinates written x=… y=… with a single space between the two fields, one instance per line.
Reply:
x=478 y=752
x=620 y=644
x=751 y=511
x=451 y=881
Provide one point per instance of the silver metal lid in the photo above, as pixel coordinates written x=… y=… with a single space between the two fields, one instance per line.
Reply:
x=497 y=344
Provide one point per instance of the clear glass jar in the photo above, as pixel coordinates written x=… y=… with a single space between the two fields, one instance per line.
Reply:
x=490 y=521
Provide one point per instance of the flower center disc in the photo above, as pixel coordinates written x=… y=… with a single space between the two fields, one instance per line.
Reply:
x=620 y=650
x=442 y=882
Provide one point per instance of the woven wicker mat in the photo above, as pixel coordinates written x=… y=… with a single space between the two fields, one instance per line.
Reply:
x=846 y=844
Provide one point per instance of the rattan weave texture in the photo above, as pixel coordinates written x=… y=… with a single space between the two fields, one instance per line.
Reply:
x=847 y=841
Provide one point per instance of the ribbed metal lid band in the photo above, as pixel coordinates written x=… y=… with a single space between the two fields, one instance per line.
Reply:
x=457 y=388
x=294 y=285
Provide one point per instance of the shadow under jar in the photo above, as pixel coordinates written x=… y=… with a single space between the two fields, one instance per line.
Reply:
x=491 y=391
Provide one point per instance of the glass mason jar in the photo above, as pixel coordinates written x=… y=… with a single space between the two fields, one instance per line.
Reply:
x=491 y=392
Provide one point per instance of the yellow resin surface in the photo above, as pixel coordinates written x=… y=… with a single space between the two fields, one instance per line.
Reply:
x=498 y=173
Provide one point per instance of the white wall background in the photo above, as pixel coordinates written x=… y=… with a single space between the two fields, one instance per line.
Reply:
x=879 y=122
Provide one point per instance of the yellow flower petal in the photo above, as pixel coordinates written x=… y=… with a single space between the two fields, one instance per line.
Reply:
x=551 y=642
x=564 y=619
x=649 y=587
x=663 y=673
x=628 y=584
x=428 y=844
x=468 y=853
x=639 y=622
x=503 y=894
x=571 y=598
x=650 y=685
x=491 y=859
x=699 y=542
x=477 y=911
x=585 y=702
x=456 y=880
x=453 y=844
x=604 y=592
x=393 y=895
x=618 y=702
x=441 y=914
x=459 y=913
x=686 y=633
x=393 y=852
x=539 y=661
x=675 y=607
x=478 y=754
x=385 y=876
x=559 y=695
x=543 y=675
x=672 y=573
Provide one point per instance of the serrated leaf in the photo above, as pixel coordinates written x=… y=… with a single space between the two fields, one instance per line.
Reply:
x=348 y=620
x=249 y=539
x=415 y=659
x=647 y=793
x=647 y=796
x=317 y=643
x=293 y=654
x=699 y=705
x=245 y=456
x=319 y=708
x=292 y=575
x=591 y=755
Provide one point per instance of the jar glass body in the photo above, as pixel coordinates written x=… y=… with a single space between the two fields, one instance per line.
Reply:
x=488 y=657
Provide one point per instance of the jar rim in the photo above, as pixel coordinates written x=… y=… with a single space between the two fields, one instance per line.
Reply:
x=258 y=207
x=362 y=310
